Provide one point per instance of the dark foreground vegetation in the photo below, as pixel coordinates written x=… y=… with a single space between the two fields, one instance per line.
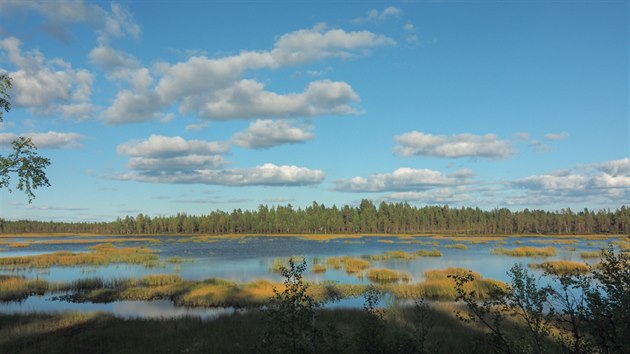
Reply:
x=575 y=312
x=366 y=218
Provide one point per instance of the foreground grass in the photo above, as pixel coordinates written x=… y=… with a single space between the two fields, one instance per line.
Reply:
x=240 y=333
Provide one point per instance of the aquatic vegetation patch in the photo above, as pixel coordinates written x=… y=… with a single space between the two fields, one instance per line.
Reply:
x=426 y=253
x=279 y=263
x=526 y=251
x=386 y=241
x=384 y=275
x=438 y=285
x=102 y=254
x=557 y=241
x=562 y=267
x=318 y=268
x=14 y=288
x=459 y=246
x=590 y=254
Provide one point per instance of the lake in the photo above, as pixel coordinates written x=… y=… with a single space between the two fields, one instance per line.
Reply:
x=246 y=259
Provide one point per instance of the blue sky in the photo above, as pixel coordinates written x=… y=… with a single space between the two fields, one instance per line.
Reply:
x=173 y=107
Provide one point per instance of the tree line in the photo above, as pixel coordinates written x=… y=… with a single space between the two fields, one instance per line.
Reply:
x=395 y=218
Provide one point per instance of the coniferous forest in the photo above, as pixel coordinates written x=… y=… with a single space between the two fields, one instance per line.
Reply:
x=394 y=218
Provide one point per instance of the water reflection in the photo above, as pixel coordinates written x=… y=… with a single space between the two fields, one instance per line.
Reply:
x=125 y=309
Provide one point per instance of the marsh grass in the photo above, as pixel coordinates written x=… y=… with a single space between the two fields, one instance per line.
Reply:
x=318 y=268
x=556 y=242
x=17 y=244
x=355 y=265
x=14 y=288
x=439 y=286
x=102 y=254
x=526 y=251
x=459 y=246
x=353 y=242
x=384 y=275
x=471 y=239
x=386 y=241
x=562 y=267
x=590 y=254
x=426 y=253
x=278 y=263
x=569 y=248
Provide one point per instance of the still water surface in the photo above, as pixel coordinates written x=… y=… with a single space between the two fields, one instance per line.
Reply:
x=250 y=258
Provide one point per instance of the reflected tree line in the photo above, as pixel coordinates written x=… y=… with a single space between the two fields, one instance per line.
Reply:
x=364 y=218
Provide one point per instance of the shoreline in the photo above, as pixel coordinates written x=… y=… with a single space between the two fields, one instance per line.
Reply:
x=313 y=236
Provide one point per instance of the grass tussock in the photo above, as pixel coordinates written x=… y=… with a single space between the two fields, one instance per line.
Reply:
x=471 y=239
x=590 y=254
x=459 y=246
x=355 y=265
x=439 y=286
x=386 y=241
x=351 y=265
x=318 y=268
x=279 y=263
x=102 y=254
x=403 y=255
x=562 y=267
x=427 y=253
x=557 y=242
x=18 y=244
x=526 y=251
x=384 y=275
x=18 y=288
x=353 y=242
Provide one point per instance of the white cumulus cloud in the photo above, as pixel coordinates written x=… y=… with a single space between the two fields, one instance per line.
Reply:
x=48 y=86
x=403 y=179
x=268 y=133
x=163 y=146
x=375 y=15
x=47 y=140
x=215 y=88
x=264 y=175
x=453 y=146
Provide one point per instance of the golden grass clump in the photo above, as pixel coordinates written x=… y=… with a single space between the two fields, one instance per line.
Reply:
x=102 y=254
x=278 y=263
x=399 y=255
x=590 y=254
x=562 y=267
x=459 y=246
x=160 y=279
x=355 y=265
x=353 y=242
x=439 y=274
x=334 y=262
x=386 y=241
x=438 y=286
x=318 y=268
x=526 y=251
x=426 y=253
x=18 y=244
x=17 y=288
x=557 y=242
x=383 y=275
